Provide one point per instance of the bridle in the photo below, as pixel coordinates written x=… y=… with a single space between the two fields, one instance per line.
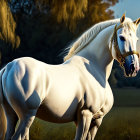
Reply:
x=120 y=57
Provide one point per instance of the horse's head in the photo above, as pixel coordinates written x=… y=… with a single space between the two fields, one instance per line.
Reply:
x=124 y=41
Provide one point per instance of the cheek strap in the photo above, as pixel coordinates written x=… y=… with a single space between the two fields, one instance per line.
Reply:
x=120 y=57
x=130 y=53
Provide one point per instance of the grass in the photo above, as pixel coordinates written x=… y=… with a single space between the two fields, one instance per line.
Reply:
x=41 y=130
x=126 y=97
x=121 y=123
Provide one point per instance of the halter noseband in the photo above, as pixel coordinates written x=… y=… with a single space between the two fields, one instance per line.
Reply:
x=120 y=57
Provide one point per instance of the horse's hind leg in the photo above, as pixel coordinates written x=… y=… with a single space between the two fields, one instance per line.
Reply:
x=25 y=122
x=11 y=120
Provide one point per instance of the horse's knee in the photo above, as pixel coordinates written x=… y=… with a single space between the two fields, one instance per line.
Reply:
x=86 y=113
x=96 y=122
x=84 y=121
x=24 y=126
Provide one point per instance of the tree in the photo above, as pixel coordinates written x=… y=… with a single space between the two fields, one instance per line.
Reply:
x=7 y=25
x=67 y=11
x=45 y=27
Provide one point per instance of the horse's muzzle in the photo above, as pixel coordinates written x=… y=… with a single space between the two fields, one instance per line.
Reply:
x=131 y=70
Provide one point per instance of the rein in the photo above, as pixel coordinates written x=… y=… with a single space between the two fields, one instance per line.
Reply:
x=120 y=57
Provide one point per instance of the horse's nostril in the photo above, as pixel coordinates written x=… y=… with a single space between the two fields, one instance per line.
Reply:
x=132 y=68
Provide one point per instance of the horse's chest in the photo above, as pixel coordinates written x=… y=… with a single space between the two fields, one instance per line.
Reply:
x=99 y=99
x=94 y=100
x=59 y=106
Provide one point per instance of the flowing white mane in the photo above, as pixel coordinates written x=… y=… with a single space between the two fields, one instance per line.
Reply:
x=89 y=35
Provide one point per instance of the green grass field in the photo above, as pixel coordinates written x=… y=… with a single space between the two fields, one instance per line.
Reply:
x=121 y=123
x=126 y=97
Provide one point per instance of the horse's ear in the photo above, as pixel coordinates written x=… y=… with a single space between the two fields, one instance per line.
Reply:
x=122 y=18
x=137 y=22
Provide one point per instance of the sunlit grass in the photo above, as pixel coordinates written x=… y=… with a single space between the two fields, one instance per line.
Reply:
x=41 y=130
x=121 y=123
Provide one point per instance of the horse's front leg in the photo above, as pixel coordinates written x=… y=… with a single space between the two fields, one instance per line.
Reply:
x=95 y=124
x=83 y=124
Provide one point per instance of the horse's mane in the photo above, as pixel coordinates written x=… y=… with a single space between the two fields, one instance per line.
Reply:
x=89 y=35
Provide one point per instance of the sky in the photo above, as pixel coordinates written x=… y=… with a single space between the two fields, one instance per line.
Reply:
x=130 y=7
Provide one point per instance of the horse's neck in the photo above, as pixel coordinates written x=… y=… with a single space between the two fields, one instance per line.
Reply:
x=98 y=53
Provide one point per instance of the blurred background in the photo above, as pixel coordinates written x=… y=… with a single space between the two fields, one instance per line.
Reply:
x=42 y=29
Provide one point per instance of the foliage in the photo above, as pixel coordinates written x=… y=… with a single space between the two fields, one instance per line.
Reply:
x=24 y=6
x=71 y=11
x=7 y=25
x=67 y=11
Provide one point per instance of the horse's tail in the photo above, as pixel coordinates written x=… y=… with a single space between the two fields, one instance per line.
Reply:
x=2 y=112
x=1 y=90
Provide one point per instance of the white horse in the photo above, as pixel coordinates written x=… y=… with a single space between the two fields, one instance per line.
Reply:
x=77 y=90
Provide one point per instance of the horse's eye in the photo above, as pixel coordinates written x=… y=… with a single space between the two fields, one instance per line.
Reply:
x=122 y=38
